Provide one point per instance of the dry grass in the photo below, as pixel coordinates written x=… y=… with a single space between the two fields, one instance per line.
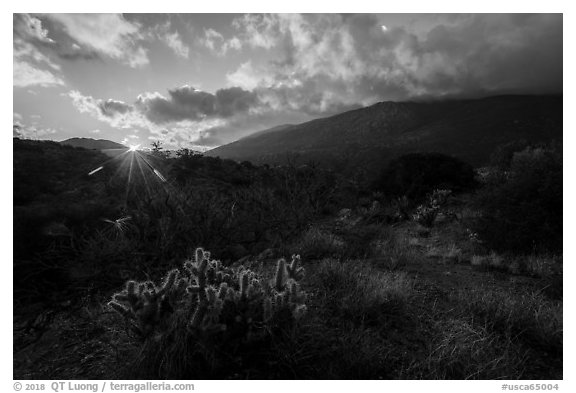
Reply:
x=450 y=253
x=465 y=351
x=358 y=291
x=317 y=244
x=525 y=316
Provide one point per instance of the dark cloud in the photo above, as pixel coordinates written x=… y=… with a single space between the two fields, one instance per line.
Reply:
x=188 y=103
x=111 y=108
x=319 y=65
x=234 y=100
x=330 y=61
x=193 y=102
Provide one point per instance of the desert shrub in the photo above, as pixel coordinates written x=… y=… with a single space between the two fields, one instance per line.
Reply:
x=502 y=156
x=522 y=207
x=392 y=252
x=210 y=310
x=359 y=240
x=401 y=206
x=426 y=214
x=415 y=175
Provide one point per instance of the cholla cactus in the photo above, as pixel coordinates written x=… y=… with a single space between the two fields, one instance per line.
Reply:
x=214 y=297
x=144 y=304
x=287 y=294
x=426 y=214
x=295 y=271
x=439 y=197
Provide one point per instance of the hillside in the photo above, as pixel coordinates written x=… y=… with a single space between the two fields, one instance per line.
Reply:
x=468 y=129
x=92 y=144
x=387 y=291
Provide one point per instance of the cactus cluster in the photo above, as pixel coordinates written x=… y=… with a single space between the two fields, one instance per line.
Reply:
x=439 y=197
x=426 y=213
x=145 y=304
x=214 y=298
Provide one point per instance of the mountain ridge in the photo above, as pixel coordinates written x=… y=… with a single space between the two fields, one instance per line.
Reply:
x=92 y=144
x=468 y=129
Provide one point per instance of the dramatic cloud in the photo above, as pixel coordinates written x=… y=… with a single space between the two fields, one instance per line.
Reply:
x=183 y=104
x=116 y=113
x=188 y=103
x=111 y=108
x=182 y=116
x=263 y=70
x=330 y=61
x=29 y=30
x=30 y=63
x=108 y=34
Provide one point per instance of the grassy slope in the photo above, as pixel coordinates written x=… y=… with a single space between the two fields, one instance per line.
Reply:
x=408 y=305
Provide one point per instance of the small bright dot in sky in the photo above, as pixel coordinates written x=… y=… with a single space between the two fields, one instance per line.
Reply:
x=384 y=28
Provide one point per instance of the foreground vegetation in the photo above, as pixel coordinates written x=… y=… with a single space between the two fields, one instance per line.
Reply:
x=386 y=286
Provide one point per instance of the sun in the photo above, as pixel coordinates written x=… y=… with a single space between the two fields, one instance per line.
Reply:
x=133 y=147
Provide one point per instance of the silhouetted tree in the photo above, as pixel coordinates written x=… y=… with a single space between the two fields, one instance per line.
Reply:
x=415 y=175
x=522 y=205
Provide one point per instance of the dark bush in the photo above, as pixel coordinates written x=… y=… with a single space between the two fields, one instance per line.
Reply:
x=522 y=206
x=415 y=175
x=502 y=156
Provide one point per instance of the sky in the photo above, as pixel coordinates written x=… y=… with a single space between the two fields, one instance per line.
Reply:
x=202 y=80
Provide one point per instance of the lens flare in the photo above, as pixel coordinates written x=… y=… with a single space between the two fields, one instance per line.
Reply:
x=133 y=147
x=95 y=170
x=157 y=173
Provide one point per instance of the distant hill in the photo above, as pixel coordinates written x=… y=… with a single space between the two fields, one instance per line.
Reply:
x=369 y=137
x=93 y=144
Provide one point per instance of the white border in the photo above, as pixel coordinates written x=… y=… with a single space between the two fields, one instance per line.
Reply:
x=381 y=6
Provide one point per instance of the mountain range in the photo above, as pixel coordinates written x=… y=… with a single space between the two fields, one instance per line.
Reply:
x=93 y=144
x=371 y=136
